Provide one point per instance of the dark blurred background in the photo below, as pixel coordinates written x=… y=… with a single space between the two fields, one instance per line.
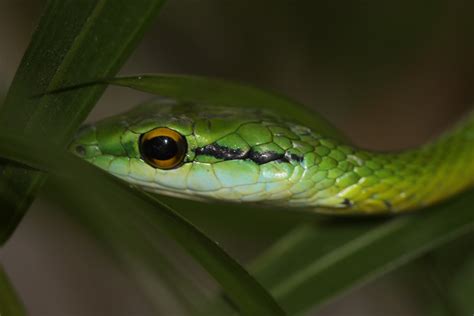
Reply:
x=391 y=74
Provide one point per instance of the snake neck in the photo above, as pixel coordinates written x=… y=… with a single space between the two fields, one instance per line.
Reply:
x=443 y=167
x=397 y=182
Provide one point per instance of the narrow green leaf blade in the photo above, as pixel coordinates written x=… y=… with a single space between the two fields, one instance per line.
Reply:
x=75 y=41
x=462 y=287
x=332 y=257
x=225 y=93
x=451 y=268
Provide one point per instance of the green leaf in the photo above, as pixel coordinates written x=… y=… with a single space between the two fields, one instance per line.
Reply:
x=451 y=268
x=129 y=219
x=335 y=256
x=462 y=287
x=10 y=304
x=220 y=92
x=75 y=41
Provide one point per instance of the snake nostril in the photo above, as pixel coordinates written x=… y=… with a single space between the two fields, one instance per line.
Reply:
x=80 y=150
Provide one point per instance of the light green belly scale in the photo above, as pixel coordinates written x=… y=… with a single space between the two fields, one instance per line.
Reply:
x=308 y=170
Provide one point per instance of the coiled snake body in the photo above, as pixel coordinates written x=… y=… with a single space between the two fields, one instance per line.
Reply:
x=246 y=155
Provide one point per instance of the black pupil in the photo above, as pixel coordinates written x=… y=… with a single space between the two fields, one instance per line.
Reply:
x=160 y=148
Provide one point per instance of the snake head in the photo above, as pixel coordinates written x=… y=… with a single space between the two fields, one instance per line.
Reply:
x=205 y=152
x=193 y=151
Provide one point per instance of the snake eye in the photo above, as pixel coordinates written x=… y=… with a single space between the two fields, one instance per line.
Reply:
x=163 y=148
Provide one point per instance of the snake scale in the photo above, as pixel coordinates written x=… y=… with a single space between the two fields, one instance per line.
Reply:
x=251 y=155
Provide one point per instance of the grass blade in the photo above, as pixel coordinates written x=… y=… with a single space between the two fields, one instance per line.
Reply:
x=215 y=92
x=330 y=264
x=75 y=41
x=452 y=269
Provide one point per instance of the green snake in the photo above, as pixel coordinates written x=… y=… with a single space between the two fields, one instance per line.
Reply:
x=250 y=155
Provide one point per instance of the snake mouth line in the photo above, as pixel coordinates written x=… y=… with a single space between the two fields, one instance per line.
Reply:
x=226 y=153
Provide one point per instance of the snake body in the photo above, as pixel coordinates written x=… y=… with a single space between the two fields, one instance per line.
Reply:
x=250 y=155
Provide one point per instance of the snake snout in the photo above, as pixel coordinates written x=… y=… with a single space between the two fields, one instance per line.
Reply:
x=84 y=151
x=84 y=144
